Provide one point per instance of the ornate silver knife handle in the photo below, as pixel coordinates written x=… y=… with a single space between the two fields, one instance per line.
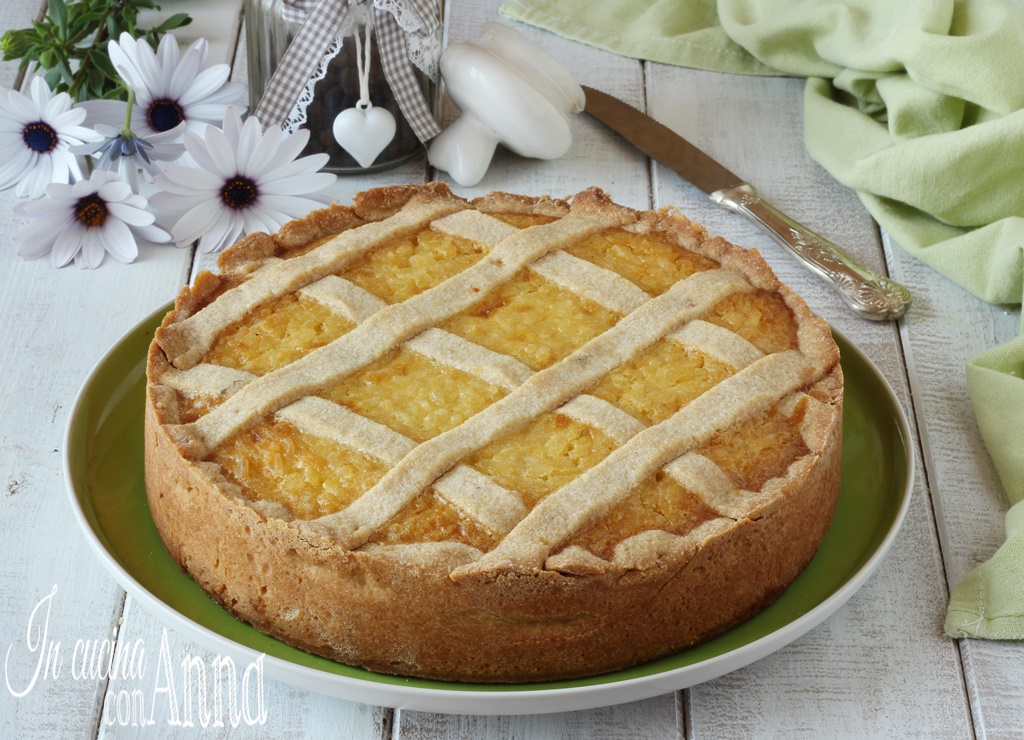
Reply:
x=871 y=295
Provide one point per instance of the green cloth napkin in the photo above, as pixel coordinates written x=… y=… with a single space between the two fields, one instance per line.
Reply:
x=918 y=105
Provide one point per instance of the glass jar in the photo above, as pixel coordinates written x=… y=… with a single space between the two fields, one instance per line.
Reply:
x=271 y=25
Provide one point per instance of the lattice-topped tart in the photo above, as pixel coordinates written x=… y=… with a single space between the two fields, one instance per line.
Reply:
x=509 y=440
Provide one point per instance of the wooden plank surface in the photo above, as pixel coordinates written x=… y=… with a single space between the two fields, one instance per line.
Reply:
x=880 y=667
x=771 y=697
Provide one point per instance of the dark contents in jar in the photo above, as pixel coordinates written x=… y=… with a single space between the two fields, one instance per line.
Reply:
x=338 y=91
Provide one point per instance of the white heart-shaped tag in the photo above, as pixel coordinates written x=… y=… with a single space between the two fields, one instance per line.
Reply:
x=364 y=132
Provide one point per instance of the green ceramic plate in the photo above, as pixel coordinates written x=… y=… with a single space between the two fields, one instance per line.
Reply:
x=104 y=470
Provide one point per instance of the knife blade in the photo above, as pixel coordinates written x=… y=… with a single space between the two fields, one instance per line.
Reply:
x=869 y=294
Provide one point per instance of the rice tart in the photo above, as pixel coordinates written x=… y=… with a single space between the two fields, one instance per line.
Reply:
x=513 y=439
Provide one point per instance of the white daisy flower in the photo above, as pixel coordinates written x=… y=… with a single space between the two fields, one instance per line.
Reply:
x=245 y=180
x=84 y=221
x=170 y=88
x=37 y=132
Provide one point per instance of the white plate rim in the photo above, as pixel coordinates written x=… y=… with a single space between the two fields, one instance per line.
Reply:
x=489 y=701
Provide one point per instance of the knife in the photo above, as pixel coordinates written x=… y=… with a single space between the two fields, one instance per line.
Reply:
x=869 y=294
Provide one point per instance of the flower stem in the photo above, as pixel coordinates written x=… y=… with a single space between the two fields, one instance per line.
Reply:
x=126 y=132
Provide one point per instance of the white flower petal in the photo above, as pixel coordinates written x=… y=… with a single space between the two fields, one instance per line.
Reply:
x=262 y=153
x=176 y=189
x=60 y=193
x=210 y=113
x=122 y=56
x=180 y=202
x=39 y=92
x=230 y=94
x=37 y=238
x=74 y=169
x=10 y=130
x=13 y=170
x=249 y=141
x=206 y=83
x=196 y=222
x=113 y=189
x=21 y=107
x=129 y=215
x=195 y=147
x=71 y=117
x=225 y=232
x=91 y=148
x=83 y=188
x=298 y=185
x=301 y=167
x=10 y=144
x=67 y=244
x=183 y=74
x=259 y=219
x=194 y=179
x=93 y=249
x=108 y=112
x=232 y=127
x=162 y=138
x=79 y=134
x=288 y=149
x=294 y=206
x=152 y=234
x=170 y=56
x=155 y=75
x=59 y=103
x=36 y=180
x=119 y=241
x=46 y=209
x=61 y=170
x=221 y=151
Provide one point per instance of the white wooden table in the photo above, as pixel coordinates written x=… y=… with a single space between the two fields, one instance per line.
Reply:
x=879 y=667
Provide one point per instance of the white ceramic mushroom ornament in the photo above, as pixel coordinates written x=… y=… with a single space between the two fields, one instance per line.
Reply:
x=510 y=92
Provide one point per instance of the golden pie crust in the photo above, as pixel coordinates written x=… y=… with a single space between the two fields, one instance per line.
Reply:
x=513 y=439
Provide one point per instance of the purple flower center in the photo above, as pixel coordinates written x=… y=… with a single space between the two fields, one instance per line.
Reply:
x=40 y=137
x=239 y=192
x=91 y=210
x=165 y=114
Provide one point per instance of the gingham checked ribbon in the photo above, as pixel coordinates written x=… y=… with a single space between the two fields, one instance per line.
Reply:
x=319 y=29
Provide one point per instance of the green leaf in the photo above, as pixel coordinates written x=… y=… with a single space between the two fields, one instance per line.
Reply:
x=116 y=91
x=175 y=21
x=89 y=19
x=104 y=64
x=58 y=12
x=43 y=30
x=65 y=72
x=98 y=83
